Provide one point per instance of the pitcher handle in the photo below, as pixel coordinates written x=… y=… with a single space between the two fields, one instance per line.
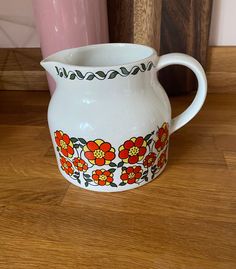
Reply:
x=195 y=66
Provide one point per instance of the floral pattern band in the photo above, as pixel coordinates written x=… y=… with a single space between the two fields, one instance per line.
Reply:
x=91 y=163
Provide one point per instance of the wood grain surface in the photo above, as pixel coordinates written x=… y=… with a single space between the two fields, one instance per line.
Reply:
x=221 y=69
x=185 y=28
x=184 y=219
x=135 y=21
x=147 y=22
x=20 y=69
x=121 y=20
x=168 y=26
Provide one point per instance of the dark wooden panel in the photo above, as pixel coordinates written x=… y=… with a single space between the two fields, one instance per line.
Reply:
x=184 y=28
x=136 y=21
x=120 y=16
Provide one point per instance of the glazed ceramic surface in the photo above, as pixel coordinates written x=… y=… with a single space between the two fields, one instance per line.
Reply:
x=110 y=119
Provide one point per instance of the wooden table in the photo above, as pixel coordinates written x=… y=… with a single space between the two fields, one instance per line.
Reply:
x=184 y=219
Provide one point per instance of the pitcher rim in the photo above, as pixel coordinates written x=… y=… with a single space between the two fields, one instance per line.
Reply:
x=50 y=58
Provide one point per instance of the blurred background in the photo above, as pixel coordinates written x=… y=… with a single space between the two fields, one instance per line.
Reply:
x=18 y=30
x=204 y=29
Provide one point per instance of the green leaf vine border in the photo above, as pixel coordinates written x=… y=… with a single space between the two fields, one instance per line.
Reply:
x=100 y=75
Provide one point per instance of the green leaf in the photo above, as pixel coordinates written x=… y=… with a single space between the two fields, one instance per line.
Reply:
x=150 y=65
x=61 y=74
x=78 y=180
x=86 y=175
x=77 y=173
x=113 y=75
x=82 y=141
x=79 y=74
x=112 y=164
x=73 y=139
x=113 y=184
x=122 y=183
x=76 y=146
x=135 y=71
x=65 y=73
x=88 y=179
x=123 y=168
x=112 y=170
x=149 y=142
x=86 y=184
x=154 y=171
x=91 y=77
x=145 y=178
x=120 y=164
x=147 y=137
x=152 y=132
x=145 y=173
x=154 y=167
x=143 y=66
x=124 y=71
x=101 y=74
x=72 y=76
x=57 y=70
x=58 y=149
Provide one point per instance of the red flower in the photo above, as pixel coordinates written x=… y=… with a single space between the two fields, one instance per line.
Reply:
x=99 y=152
x=66 y=166
x=80 y=164
x=102 y=177
x=162 y=159
x=131 y=175
x=133 y=150
x=162 y=137
x=64 y=144
x=149 y=159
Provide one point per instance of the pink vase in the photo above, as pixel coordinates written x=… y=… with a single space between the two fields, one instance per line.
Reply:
x=66 y=24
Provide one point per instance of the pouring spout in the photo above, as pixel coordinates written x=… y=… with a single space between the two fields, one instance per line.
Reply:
x=49 y=66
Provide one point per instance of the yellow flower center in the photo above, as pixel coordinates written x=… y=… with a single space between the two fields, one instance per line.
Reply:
x=65 y=166
x=98 y=153
x=80 y=165
x=103 y=177
x=133 y=151
x=150 y=160
x=63 y=144
x=132 y=175
x=163 y=138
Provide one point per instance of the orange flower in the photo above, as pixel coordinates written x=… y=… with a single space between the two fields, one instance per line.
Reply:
x=102 y=177
x=133 y=150
x=162 y=137
x=64 y=144
x=131 y=175
x=162 y=159
x=99 y=152
x=149 y=159
x=80 y=164
x=66 y=166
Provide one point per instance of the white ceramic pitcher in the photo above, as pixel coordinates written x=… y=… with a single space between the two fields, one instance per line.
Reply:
x=109 y=118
